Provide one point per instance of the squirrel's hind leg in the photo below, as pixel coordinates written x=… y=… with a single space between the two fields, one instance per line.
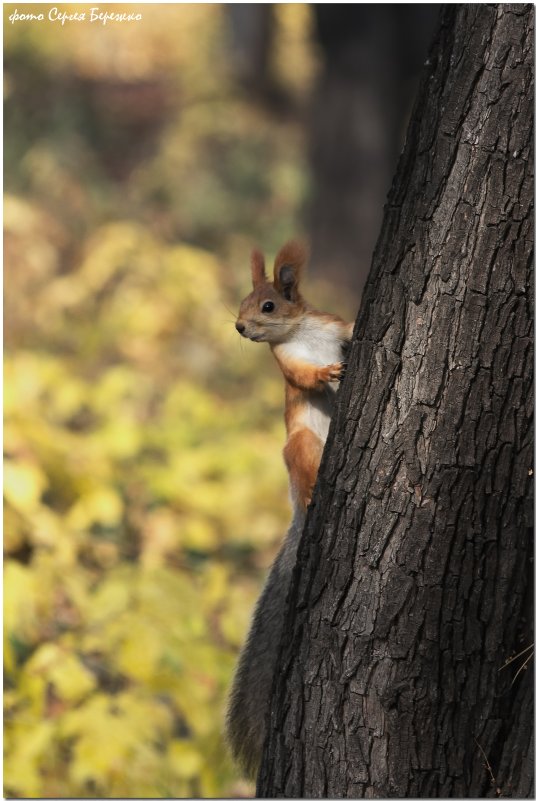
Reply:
x=302 y=454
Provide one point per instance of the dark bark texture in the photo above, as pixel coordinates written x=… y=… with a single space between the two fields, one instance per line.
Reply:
x=413 y=578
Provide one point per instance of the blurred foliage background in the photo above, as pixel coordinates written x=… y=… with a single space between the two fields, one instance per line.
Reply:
x=145 y=493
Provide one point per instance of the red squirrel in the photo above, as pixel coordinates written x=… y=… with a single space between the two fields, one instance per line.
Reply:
x=309 y=347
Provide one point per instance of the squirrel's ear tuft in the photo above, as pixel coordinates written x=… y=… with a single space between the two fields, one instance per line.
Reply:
x=258 y=272
x=288 y=268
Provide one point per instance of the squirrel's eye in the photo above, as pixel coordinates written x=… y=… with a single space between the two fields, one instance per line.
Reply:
x=268 y=307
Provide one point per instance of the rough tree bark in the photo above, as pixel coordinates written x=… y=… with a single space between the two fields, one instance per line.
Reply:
x=412 y=583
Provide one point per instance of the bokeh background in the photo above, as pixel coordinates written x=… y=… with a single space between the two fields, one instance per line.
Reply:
x=145 y=494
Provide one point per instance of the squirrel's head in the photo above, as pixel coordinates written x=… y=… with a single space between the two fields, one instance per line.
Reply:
x=274 y=308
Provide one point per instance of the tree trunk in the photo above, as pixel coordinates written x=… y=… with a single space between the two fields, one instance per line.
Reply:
x=413 y=578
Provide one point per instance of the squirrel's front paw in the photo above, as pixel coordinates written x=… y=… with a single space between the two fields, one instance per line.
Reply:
x=333 y=372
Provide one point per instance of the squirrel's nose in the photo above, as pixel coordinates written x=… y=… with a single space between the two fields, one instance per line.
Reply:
x=240 y=327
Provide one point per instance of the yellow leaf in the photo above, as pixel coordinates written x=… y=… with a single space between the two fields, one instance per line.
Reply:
x=68 y=397
x=199 y=534
x=14 y=530
x=43 y=659
x=140 y=651
x=102 y=750
x=72 y=681
x=48 y=528
x=186 y=761
x=120 y=438
x=23 y=485
x=21 y=768
x=20 y=601
x=100 y=505
x=111 y=598
x=9 y=656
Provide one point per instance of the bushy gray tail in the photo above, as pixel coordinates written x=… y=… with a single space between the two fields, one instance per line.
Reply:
x=249 y=698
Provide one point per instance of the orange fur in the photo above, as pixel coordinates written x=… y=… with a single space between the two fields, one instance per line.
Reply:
x=258 y=272
x=302 y=455
x=292 y=257
x=290 y=326
x=304 y=375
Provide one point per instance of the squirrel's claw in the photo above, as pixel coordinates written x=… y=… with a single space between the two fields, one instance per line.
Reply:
x=335 y=372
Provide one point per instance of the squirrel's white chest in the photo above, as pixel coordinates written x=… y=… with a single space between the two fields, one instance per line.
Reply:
x=315 y=344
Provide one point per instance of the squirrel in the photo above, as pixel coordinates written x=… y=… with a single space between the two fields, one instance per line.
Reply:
x=309 y=347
